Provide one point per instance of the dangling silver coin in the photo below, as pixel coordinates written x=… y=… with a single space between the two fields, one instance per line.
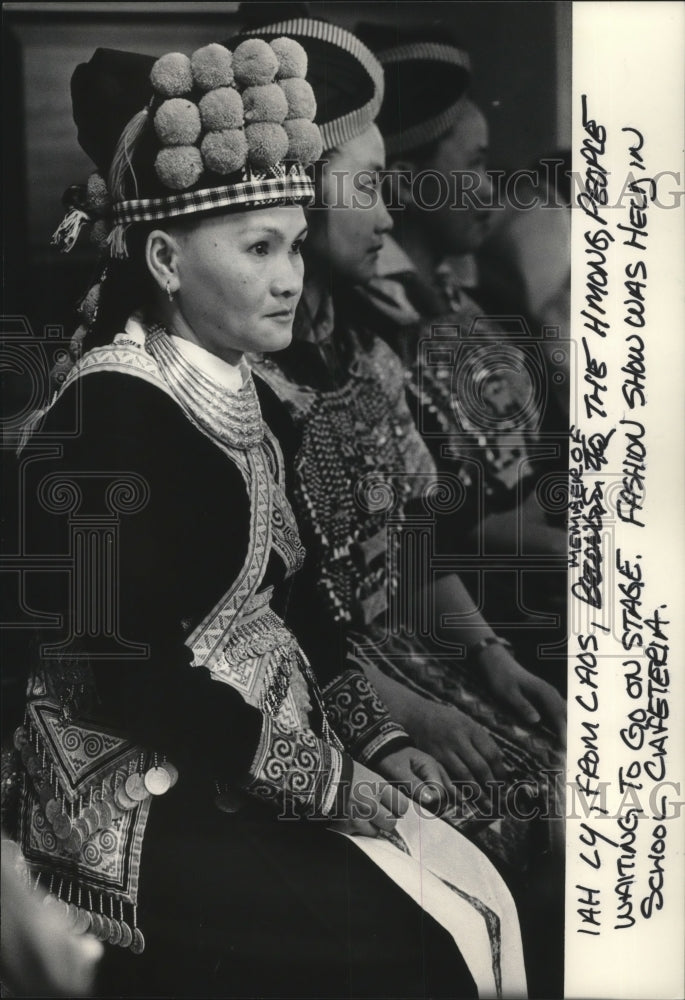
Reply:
x=137 y=944
x=80 y=824
x=91 y=818
x=135 y=787
x=62 y=826
x=96 y=925
x=82 y=922
x=114 y=932
x=74 y=842
x=122 y=799
x=53 y=808
x=171 y=770
x=106 y=928
x=108 y=798
x=51 y=902
x=105 y=814
x=157 y=781
x=126 y=935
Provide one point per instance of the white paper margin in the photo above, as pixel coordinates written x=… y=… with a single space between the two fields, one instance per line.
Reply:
x=628 y=58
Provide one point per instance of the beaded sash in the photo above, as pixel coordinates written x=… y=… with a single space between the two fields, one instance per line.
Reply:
x=361 y=460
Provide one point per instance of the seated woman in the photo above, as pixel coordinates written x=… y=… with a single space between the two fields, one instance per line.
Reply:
x=184 y=774
x=490 y=412
x=345 y=389
x=368 y=501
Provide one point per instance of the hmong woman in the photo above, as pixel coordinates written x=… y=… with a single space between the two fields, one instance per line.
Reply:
x=179 y=719
x=482 y=414
x=367 y=493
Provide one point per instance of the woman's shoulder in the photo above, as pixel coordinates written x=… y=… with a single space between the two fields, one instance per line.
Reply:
x=110 y=400
x=114 y=420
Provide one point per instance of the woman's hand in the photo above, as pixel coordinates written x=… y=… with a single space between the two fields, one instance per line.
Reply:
x=461 y=746
x=372 y=805
x=530 y=698
x=418 y=775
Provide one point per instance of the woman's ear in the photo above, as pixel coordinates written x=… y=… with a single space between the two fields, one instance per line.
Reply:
x=402 y=174
x=162 y=256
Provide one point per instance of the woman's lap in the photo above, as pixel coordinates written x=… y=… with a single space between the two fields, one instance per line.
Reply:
x=258 y=908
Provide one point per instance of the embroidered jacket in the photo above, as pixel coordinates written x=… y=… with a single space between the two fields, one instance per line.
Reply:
x=164 y=500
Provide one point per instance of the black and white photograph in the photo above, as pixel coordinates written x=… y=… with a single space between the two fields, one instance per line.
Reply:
x=342 y=534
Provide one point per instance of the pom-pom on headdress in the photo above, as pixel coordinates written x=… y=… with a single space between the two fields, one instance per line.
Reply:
x=346 y=77
x=220 y=128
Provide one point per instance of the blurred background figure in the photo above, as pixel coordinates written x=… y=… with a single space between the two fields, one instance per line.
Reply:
x=40 y=954
x=485 y=415
x=524 y=264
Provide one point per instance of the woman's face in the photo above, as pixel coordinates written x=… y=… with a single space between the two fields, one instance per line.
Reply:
x=464 y=148
x=239 y=280
x=347 y=236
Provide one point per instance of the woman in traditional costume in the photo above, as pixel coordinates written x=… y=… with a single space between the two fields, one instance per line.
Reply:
x=346 y=391
x=183 y=762
x=490 y=413
x=374 y=512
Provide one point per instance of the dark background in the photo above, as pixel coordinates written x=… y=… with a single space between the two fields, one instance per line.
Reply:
x=520 y=53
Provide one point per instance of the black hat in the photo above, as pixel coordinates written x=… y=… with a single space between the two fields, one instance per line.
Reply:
x=346 y=77
x=182 y=135
x=426 y=74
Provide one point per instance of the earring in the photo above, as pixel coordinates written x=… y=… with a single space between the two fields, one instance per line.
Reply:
x=169 y=292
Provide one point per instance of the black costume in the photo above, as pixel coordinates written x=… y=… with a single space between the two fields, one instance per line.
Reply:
x=231 y=903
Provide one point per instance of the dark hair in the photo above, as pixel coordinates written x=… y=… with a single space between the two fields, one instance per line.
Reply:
x=126 y=287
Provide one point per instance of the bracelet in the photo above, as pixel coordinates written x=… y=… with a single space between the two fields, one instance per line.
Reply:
x=490 y=640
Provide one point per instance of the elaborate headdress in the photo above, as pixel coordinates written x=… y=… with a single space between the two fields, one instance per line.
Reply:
x=346 y=77
x=426 y=74
x=181 y=135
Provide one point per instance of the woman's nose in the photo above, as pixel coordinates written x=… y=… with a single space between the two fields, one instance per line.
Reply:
x=288 y=277
x=485 y=188
x=384 y=222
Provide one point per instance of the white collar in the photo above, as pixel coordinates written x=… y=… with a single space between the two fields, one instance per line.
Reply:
x=229 y=377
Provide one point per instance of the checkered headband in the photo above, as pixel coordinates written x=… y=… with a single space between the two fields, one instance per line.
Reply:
x=293 y=187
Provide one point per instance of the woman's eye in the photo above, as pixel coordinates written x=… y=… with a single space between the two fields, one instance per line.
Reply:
x=296 y=247
x=261 y=249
